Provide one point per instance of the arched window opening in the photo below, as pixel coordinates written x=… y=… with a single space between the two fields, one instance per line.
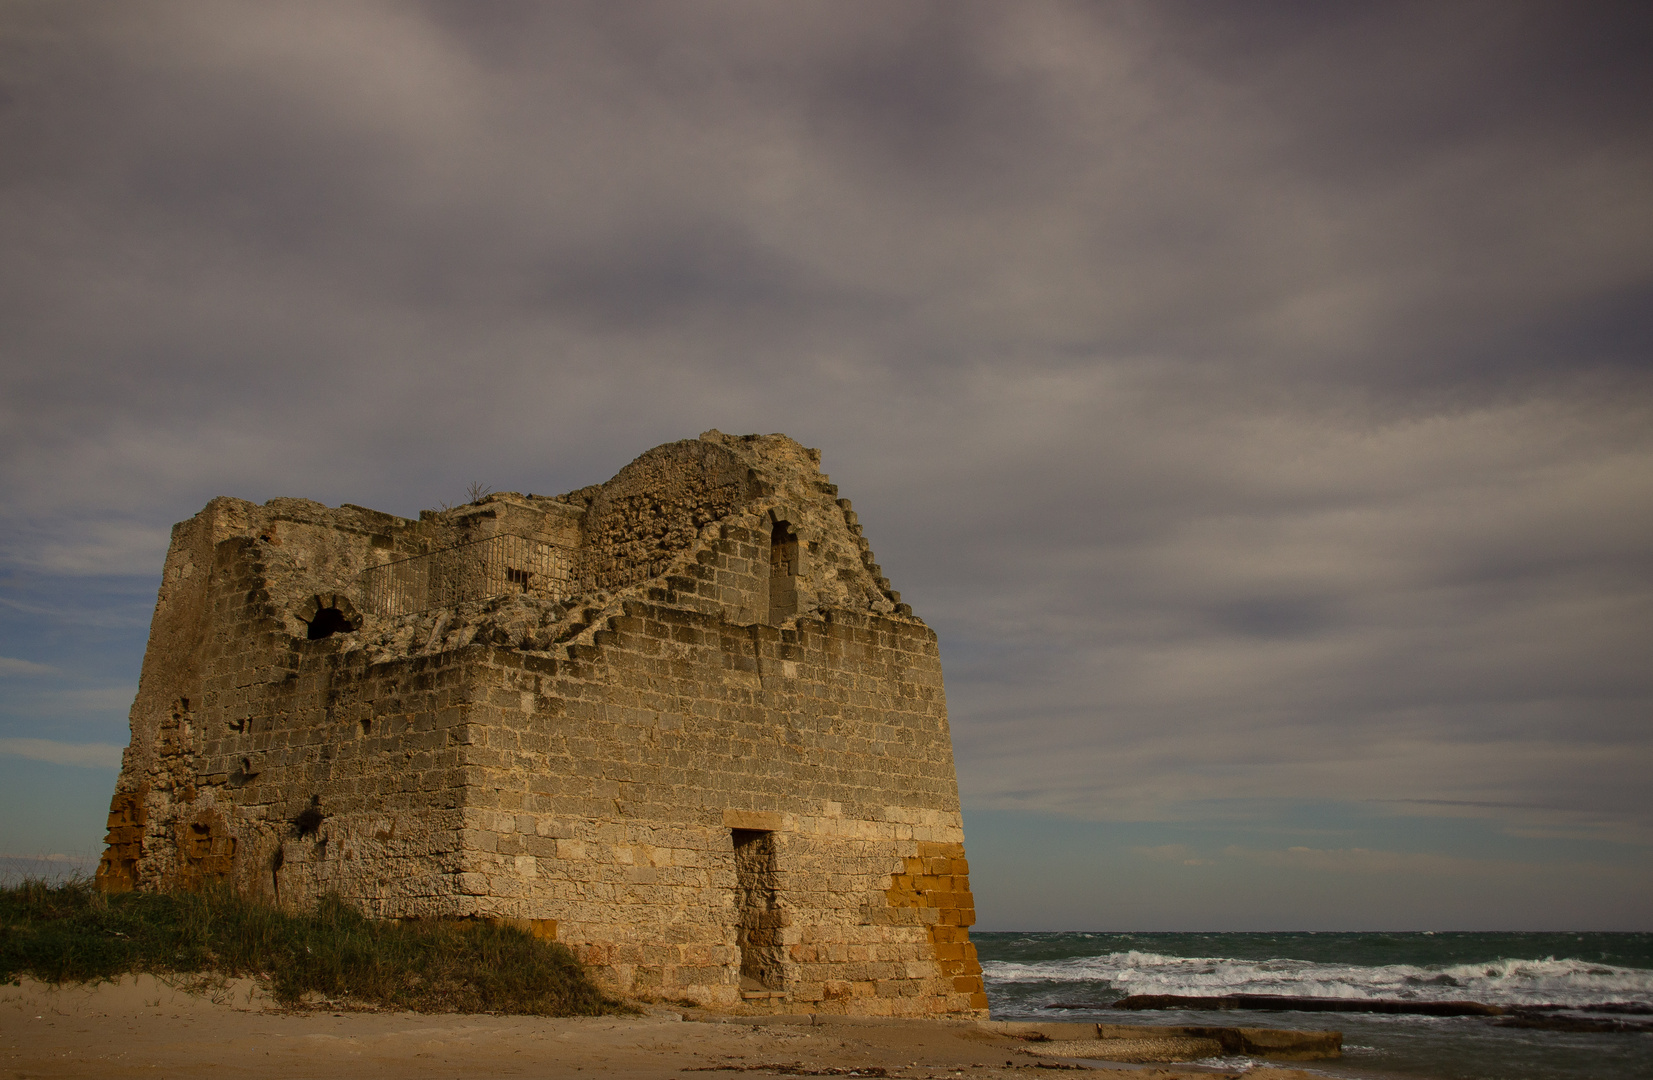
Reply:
x=329 y=621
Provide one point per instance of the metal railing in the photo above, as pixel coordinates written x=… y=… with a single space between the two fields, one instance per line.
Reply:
x=498 y=566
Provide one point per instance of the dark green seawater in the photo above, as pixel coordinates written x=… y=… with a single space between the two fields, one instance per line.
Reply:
x=1028 y=973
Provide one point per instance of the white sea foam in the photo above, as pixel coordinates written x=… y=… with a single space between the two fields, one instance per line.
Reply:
x=1498 y=982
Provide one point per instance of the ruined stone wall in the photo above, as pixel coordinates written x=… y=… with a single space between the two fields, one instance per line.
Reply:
x=274 y=749
x=720 y=771
x=654 y=509
x=240 y=585
x=609 y=786
x=551 y=520
x=169 y=683
x=346 y=777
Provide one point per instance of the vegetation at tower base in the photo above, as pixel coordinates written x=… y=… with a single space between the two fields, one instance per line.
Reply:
x=678 y=721
x=73 y=932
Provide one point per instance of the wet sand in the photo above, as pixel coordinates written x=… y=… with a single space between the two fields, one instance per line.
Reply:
x=144 y=1027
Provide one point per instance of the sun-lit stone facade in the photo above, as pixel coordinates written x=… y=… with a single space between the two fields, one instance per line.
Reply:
x=678 y=721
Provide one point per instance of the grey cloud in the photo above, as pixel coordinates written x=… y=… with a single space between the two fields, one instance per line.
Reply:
x=1123 y=671
x=1256 y=400
x=1143 y=222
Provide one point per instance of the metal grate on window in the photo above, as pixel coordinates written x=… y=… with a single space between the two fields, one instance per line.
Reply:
x=498 y=566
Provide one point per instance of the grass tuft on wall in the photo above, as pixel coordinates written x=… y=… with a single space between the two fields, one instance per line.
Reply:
x=72 y=932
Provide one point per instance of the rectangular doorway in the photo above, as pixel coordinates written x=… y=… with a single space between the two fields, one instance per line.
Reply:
x=758 y=909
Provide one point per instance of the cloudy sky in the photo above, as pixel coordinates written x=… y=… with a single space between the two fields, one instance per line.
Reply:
x=1256 y=397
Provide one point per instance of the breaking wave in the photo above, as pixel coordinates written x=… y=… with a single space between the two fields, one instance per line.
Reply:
x=1498 y=982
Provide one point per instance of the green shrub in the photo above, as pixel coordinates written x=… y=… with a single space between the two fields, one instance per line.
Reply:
x=74 y=933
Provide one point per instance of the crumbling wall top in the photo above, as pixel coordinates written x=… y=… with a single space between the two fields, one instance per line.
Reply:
x=567 y=561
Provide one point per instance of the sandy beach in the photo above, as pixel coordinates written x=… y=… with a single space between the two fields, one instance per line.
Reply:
x=142 y=1026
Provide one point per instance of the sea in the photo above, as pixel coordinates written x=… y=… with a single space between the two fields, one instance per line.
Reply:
x=1078 y=977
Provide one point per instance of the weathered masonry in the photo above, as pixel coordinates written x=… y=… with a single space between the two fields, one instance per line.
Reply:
x=678 y=721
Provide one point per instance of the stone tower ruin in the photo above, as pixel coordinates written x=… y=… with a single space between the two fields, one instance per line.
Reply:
x=678 y=721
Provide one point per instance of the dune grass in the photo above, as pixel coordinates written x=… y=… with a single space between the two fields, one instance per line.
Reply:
x=71 y=932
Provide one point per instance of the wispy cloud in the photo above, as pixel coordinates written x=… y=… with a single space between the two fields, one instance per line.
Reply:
x=1177 y=853
x=1365 y=861
x=54 y=704
x=12 y=666
x=77 y=613
x=87 y=755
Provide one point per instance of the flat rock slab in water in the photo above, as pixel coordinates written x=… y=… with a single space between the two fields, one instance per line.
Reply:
x=1129 y=1051
x=1552 y=1022
x=1108 y=1041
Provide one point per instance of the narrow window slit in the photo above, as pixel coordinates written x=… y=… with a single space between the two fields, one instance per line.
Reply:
x=783 y=573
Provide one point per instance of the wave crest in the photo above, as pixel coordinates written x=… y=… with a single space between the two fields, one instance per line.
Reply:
x=1495 y=982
